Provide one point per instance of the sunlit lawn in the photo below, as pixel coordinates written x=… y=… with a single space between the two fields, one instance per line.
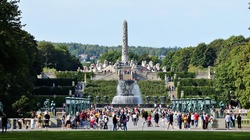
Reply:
x=120 y=135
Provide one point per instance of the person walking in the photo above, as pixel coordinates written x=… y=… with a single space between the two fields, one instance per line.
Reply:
x=39 y=124
x=196 y=118
x=115 y=123
x=239 y=121
x=32 y=120
x=171 y=120
x=124 y=122
x=64 y=120
x=156 y=118
x=134 y=119
x=228 y=120
x=4 y=123
x=211 y=121
x=189 y=120
x=179 y=119
x=47 y=118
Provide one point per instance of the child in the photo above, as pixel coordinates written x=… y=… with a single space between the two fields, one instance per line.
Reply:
x=149 y=121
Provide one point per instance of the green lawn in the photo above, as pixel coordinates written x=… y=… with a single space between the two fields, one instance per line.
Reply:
x=120 y=135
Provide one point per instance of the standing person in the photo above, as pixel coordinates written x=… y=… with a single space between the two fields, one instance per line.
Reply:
x=125 y=120
x=4 y=123
x=32 y=120
x=211 y=121
x=77 y=120
x=228 y=120
x=106 y=120
x=68 y=123
x=171 y=120
x=206 y=121
x=192 y=119
x=233 y=117
x=189 y=120
x=47 y=117
x=179 y=119
x=64 y=120
x=185 y=120
x=134 y=119
x=156 y=118
x=115 y=123
x=39 y=124
x=203 y=118
x=149 y=121
x=196 y=118
x=239 y=121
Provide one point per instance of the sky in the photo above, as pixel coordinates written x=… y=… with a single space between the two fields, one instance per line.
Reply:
x=151 y=23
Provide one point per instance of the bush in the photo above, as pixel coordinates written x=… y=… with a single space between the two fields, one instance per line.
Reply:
x=248 y=114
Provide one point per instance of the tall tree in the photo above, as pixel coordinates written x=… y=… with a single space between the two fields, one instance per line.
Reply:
x=168 y=60
x=19 y=58
x=197 y=58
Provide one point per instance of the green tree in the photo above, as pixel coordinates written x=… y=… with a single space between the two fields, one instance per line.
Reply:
x=132 y=56
x=19 y=58
x=57 y=57
x=110 y=56
x=144 y=57
x=21 y=106
x=197 y=58
x=228 y=45
x=209 y=57
x=233 y=75
x=182 y=59
x=168 y=60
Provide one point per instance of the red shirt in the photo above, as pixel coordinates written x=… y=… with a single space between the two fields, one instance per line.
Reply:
x=196 y=117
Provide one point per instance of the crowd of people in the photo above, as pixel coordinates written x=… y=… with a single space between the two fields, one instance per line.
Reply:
x=157 y=117
x=117 y=118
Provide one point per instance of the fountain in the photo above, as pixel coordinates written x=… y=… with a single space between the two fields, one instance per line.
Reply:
x=128 y=92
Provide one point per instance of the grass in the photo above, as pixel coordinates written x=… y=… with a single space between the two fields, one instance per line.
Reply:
x=120 y=135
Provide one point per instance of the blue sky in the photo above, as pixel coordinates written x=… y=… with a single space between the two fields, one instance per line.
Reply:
x=152 y=23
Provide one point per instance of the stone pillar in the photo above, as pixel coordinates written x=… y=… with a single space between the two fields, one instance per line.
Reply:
x=125 y=42
x=85 y=78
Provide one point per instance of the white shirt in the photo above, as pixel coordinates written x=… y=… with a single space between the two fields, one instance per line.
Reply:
x=227 y=118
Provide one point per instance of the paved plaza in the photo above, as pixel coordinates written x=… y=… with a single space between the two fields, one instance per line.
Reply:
x=140 y=127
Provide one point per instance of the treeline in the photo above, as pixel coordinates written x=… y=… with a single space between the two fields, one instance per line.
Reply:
x=230 y=60
x=202 y=55
x=57 y=57
x=77 y=49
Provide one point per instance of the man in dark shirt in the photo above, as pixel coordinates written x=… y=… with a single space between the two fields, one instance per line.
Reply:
x=47 y=117
x=171 y=120
x=4 y=123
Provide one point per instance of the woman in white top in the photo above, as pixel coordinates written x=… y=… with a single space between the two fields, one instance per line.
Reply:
x=228 y=120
